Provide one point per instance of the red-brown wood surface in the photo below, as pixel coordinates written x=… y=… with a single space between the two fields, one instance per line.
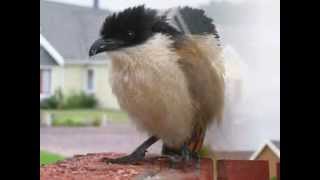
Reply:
x=243 y=170
x=278 y=171
x=92 y=167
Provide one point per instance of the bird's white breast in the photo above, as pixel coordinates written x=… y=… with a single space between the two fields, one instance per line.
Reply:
x=151 y=87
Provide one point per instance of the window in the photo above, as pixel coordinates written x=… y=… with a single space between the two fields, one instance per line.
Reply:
x=45 y=81
x=90 y=81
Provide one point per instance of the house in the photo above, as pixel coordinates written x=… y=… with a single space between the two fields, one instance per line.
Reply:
x=233 y=155
x=269 y=151
x=66 y=33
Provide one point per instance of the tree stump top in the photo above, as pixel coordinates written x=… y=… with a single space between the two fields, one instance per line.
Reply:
x=93 y=167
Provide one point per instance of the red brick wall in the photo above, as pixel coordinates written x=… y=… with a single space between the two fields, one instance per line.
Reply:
x=206 y=170
x=243 y=170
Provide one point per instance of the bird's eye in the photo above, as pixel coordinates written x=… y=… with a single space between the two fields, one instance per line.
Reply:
x=130 y=34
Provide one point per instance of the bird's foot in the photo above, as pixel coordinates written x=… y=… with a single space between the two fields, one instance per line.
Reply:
x=187 y=158
x=134 y=157
x=190 y=157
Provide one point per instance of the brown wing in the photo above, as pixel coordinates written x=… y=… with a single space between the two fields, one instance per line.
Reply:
x=199 y=62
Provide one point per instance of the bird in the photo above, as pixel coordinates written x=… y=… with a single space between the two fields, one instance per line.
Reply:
x=169 y=82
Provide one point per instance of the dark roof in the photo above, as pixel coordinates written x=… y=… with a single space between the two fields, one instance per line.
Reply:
x=46 y=58
x=276 y=143
x=70 y=29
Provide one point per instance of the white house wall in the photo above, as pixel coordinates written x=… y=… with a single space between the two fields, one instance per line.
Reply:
x=102 y=87
x=72 y=78
x=56 y=78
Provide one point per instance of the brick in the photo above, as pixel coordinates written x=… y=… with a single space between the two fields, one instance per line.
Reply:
x=243 y=170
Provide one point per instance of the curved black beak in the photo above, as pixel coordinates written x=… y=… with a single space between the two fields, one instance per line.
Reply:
x=102 y=45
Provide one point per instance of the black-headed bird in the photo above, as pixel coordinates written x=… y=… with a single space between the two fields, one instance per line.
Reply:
x=168 y=81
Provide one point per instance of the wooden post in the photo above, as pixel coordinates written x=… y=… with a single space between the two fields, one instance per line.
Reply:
x=104 y=120
x=45 y=118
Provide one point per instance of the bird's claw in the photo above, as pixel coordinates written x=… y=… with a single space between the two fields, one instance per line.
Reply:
x=186 y=157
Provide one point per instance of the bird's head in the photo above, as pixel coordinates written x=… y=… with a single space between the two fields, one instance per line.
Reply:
x=130 y=27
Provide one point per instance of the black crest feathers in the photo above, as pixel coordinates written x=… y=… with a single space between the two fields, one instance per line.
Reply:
x=132 y=25
x=136 y=24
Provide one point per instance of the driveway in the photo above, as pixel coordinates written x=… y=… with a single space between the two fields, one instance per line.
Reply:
x=120 y=137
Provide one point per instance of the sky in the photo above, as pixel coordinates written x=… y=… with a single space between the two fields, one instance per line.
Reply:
x=254 y=116
x=159 y=4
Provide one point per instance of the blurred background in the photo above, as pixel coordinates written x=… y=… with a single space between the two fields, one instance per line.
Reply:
x=79 y=114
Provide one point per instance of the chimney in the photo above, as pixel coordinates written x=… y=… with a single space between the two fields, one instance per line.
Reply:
x=96 y=4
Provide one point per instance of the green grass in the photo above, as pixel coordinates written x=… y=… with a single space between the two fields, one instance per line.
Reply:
x=79 y=117
x=48 y=158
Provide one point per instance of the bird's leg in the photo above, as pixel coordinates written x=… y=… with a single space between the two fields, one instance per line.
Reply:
x=197 y=158
x=190 y=156
x=137 y=155
x=174 y=155
x=184 y=155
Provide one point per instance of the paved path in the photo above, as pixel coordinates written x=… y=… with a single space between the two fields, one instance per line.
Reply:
x=113 y=138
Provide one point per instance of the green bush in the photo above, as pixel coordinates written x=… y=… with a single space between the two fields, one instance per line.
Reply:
x=68 y=123
x=73 y=101
x=274 y=178
x=53 y=102
x=80 y=100
x=75 y=123
x=96 y=122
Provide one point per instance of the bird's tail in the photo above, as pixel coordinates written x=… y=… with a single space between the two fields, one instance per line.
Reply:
x=192 y=21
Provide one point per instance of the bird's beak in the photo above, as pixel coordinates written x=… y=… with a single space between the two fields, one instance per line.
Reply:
x=102 y=45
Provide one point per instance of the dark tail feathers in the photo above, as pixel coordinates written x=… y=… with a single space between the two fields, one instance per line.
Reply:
x=194 y=21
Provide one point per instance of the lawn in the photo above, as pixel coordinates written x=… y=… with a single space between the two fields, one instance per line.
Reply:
x=81 y=116
x=48 y=158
